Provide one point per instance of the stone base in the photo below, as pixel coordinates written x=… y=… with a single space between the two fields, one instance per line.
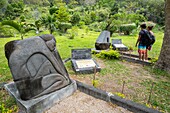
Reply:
x=102 y=46
x=41 y=104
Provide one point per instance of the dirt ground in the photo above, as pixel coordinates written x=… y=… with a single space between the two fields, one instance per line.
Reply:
x=82 y=103
x=132 y=74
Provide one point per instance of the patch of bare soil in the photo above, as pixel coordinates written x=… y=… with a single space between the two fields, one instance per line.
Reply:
x=82 y=103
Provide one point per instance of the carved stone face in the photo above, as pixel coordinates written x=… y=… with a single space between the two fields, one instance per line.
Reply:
x=36 y=68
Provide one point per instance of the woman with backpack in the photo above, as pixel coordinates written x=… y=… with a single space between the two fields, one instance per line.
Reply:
x=149 y=28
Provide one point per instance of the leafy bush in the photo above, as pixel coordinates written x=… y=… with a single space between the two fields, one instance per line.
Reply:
x=87 y=19
x=75 y=18
x=127 y=28
x=102 y=14
x=95 y=26
x=6 y=32
x=81 y=24
x=73 y=32
x=111 y=54
x=53 y=10
x=64 y=26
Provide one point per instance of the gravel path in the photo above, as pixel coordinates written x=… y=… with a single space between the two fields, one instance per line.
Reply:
x=82 y=103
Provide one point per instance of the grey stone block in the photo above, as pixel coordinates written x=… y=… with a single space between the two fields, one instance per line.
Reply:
x=82 y=61
x=40 y=104
x=118 y=45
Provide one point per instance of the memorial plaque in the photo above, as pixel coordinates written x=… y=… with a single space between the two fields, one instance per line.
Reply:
x=118 y=45
x=82 y=61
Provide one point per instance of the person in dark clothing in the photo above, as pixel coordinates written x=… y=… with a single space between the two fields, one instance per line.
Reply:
x=142 y=49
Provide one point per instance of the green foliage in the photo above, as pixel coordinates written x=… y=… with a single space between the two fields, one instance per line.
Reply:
x=53 y=10
x=21 y=27
x=102 y=14
x=93 y=15
x=64 y=26
x=49 y=22
x=120 y=94
x=87 y=19
x=95 y=83
x=95 y=26
x=160 y=89
x=3 y=5
x=111 y=54
x=62 y=14
x=75 y=19
x=127 y=28
x=154 y=60
x=5 y=32
x=14 y=10
x=73 y=32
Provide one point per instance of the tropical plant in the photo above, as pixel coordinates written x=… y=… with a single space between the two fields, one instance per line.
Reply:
x=62 y=14
x=49 y=22
x=14 y=10
x=21 y=27
x=75 y=18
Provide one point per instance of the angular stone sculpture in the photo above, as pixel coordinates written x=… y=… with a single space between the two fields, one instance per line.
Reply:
x=36 y=66
x=103 y=41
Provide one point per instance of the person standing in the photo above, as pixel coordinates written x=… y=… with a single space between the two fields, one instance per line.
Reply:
x=142 y=49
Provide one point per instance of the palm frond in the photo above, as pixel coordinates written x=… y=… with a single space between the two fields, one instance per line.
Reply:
x=13 y=24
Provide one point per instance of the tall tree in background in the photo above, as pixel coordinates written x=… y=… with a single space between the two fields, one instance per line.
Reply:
x=164 y=58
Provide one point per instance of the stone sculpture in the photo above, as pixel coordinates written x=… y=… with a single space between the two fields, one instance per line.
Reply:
x=103 y=41
x=36 y=66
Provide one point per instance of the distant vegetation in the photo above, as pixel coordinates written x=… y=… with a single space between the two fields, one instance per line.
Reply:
x=121 y=16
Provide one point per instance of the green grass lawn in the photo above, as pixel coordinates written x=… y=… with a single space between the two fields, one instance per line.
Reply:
x=87 y=40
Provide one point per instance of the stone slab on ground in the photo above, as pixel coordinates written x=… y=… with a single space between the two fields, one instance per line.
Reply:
x=80 y=102
x=40 y=104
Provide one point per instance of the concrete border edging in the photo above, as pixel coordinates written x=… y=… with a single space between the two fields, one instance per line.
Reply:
x=127 y=104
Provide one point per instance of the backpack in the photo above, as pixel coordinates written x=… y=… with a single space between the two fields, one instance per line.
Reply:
x=148 y=38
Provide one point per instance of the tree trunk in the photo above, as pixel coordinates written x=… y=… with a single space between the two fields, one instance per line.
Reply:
x=164 y=57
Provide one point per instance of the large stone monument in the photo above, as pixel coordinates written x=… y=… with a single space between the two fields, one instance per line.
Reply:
x=37 y=69
x=103 y=41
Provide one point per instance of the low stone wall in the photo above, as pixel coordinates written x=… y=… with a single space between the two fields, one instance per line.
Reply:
x=100 y=94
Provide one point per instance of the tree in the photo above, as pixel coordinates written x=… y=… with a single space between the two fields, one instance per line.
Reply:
x=49 y=22
x=14 y=10
x=21 y=27
x=62 y=14
x=164 y=58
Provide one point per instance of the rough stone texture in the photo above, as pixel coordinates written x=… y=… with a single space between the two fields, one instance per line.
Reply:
x=117 y=45
x=40 y=104
x=103 y=41
x=82 y=61
x=36 y=66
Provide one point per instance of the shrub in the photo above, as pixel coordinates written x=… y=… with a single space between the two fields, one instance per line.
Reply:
x=64 y=26
x=127 y=28
x=95 y=26
x=75 y=18
x=73 y=32
x=111 y=54
x=81 y=24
